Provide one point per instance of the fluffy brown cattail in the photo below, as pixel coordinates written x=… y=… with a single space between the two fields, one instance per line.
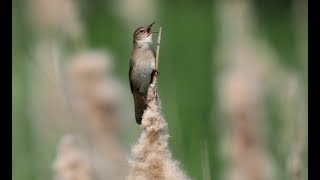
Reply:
x=151 y=157
x=247 y=156
x=135 y=12
x=56 y=16
x=72 y=161
x=50 y=20
x=93 y=90
x=245 y=62
x=95 y=95
x=49 y=107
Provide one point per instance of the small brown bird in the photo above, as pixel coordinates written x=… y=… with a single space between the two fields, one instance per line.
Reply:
x=142 y=68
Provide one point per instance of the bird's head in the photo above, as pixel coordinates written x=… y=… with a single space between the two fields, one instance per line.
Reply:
x=143 y=35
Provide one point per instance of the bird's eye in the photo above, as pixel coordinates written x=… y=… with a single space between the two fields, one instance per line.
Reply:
x=141 y=30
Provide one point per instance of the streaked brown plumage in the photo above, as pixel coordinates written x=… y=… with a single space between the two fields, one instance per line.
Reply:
x=142 y=66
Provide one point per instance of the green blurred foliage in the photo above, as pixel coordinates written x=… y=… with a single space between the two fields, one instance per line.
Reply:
x=186 y=82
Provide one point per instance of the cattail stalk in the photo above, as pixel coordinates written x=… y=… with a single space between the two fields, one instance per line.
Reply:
x=157 y=57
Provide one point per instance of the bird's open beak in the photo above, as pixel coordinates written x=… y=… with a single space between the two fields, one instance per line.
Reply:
x=149 y=28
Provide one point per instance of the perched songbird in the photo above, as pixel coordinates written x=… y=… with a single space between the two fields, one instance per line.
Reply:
x=142 y=68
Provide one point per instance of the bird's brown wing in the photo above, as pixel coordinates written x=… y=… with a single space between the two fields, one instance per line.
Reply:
x=130 y=71
x=139 y=106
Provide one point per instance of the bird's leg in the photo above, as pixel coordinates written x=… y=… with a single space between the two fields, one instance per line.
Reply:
x=145 y=101
x=155 y=72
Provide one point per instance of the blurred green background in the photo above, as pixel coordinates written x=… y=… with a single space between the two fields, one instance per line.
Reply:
x=187 y=83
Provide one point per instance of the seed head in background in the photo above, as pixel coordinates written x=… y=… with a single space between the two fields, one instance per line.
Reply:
x=72 y=161
x=95 y=95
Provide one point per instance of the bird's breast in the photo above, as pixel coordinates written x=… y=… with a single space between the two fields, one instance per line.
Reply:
x=141 y=74
x=144 y=64
x=143 y=69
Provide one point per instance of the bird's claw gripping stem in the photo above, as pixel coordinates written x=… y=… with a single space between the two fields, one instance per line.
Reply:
x=155 y=72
